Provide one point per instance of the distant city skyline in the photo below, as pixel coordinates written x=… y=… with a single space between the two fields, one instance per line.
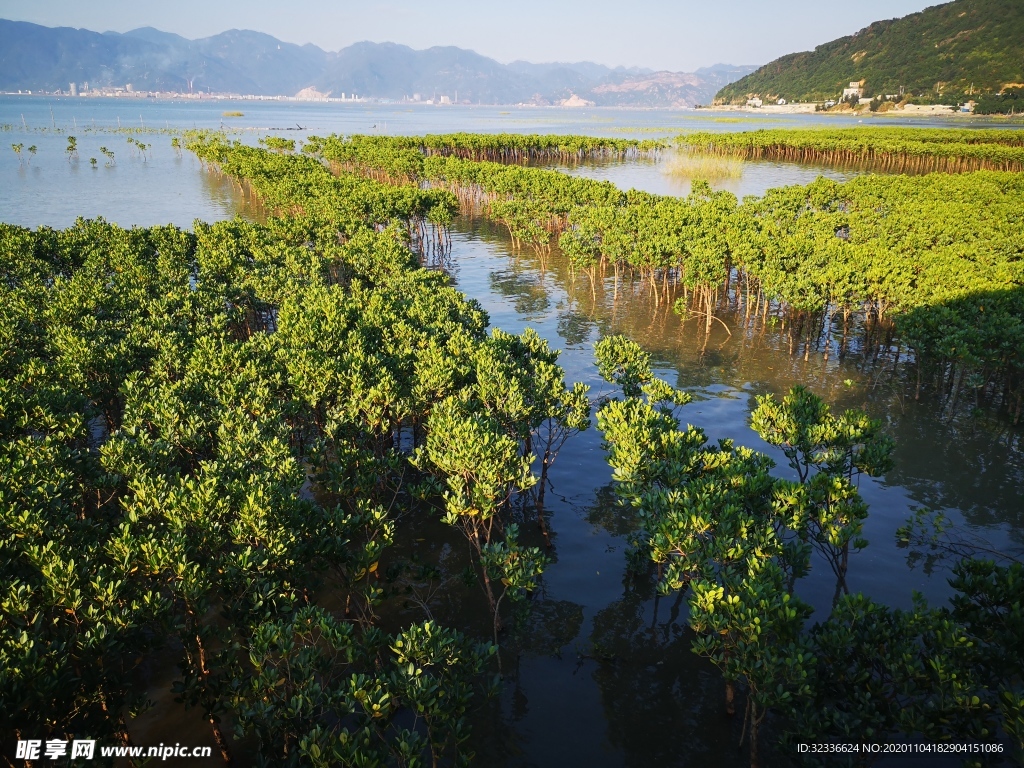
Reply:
x=679 y=36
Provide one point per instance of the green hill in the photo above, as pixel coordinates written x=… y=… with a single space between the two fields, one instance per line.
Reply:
x=941 y=54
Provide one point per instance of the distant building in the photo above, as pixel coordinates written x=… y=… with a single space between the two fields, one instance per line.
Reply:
x=781 y=102
x=829 y=104
x=74 y=89
x=856 y=89
x=754 y=102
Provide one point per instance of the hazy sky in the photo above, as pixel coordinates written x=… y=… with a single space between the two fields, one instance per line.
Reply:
x=681 y=35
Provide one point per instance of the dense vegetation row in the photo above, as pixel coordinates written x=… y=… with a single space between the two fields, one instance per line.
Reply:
x=207 y=443
x=502 y=147
x=929 y=265
x=904 y=150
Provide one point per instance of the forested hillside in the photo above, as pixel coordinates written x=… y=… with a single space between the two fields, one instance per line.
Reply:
x=942 y=54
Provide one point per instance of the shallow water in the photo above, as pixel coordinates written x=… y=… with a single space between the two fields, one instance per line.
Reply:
x=602 y=674
x=655 y=175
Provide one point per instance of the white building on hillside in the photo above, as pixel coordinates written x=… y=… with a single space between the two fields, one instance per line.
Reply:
x=855 y=89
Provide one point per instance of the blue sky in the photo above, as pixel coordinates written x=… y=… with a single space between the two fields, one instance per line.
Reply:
x=681 y=35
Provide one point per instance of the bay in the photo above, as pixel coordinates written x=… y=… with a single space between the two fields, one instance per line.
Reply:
x=604 y=675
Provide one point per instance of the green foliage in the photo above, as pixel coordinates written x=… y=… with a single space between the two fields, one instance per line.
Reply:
x=277 y=144
x=814 y=440
x=482 y=464
x=314 y=692
x=717 y=524
x=1009 y=101
x=944 y=52
x=827 y=452
x=622 y=362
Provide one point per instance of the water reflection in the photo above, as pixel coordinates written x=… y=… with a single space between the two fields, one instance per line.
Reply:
x=526 y=291
x=663 y=704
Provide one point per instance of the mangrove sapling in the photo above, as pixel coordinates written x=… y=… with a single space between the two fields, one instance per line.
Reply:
x=32 y=153
x=570 y=416
x=72 y=148
x=716 y=522
x=515 y=567
x=357 y=540
x=924 y=672
x=622 y=362
x=749 y=626
x=17 y=150
x=92 y=162
x=711 y=521
x=519 y=382
x=814 y=440
x=482 y=468
x=278 y=144
x=109 y=155
x=827 y=452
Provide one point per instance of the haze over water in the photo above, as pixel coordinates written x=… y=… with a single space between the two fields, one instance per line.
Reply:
x=606 y=676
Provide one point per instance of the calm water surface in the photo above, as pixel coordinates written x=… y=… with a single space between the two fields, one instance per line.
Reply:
x=602 y=674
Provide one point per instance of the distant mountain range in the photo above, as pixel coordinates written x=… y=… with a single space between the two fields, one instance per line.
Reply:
x=33 y=57
x=944 y=53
